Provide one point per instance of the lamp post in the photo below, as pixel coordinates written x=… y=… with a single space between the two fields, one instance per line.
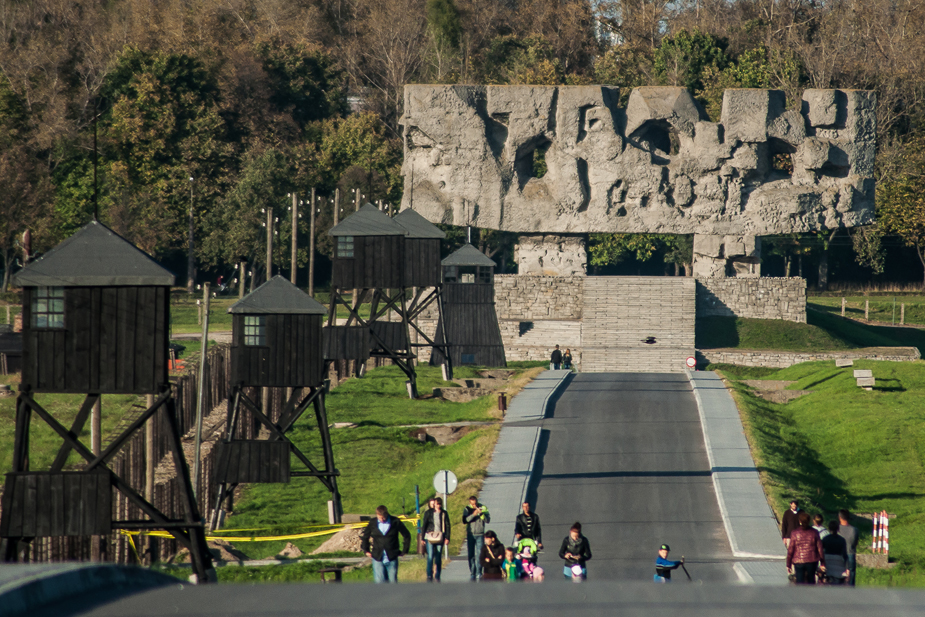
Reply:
x=190 y=259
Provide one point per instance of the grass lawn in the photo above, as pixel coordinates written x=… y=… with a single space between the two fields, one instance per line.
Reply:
x=306 y=572
x=823 y=332
x=881 y=307
x=844 y=447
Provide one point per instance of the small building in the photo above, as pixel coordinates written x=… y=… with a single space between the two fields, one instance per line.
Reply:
x=369 y=251
x=422 y=249
x=276 y=337
x=471 y=324
x=95 y=317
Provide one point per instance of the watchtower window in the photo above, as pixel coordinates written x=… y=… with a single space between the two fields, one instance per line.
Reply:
x=255 y=330
x=48 y=307
x=450 y=274
x=484 y=275
x=467 y=277
x=345 y=247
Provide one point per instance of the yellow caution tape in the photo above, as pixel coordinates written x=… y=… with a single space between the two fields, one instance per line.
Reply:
x=299 y=536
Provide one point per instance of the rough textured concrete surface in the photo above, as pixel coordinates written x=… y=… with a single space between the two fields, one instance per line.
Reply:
x=475 y=155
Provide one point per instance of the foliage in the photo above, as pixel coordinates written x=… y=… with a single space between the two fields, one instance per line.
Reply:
x=682 y=58
x=444 y=23
x=612 y=249
x=901 y=200
x=868 y=247
x=521 y=60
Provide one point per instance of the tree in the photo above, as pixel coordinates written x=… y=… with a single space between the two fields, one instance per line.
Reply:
x=515 y=60
x=682 y=58
x=901 y=211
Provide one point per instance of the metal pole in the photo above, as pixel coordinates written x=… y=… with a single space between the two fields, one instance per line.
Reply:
x=295 y=237
x=269 y=243
x=311 y=245
x=190 y=258
x=202 y=382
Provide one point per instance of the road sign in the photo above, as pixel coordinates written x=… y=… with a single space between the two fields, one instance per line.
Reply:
x=445 y=482
x=692 y=362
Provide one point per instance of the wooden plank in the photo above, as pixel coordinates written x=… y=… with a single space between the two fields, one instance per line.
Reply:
x=145 y=342
x=79 y=321
x=93 y=342
x=43 y=507
x=161 y=337
x=103 y=520
x=73 y=504
x=125 y=354
x=88 y=497
x=28 y=378
x=17 y=502
x=56 y=491
x=60 y=361
x=108 y=338
x=30 y=505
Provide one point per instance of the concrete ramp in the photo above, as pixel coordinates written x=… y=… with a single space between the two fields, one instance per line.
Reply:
x=637 y=324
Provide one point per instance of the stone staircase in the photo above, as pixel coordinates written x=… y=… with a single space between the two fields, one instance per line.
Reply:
x=637 y=324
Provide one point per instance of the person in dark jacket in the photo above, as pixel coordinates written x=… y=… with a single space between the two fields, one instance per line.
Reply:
x=664 y=566
x=527 y=525
x=436 y=528
x=805 y=553
x=492 y=557
x=383 y=532
x=556 y=358
x=576 y=551
x=475 y=517
x=789 y=521
x=836 y=556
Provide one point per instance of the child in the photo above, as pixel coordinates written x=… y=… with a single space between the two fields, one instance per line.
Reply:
x=528 y=562
x=664 y=566
x=512 y=568
x=528 y=545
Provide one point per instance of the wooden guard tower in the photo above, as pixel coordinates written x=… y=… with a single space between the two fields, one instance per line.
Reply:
x=469 y=321
x=369 y=258
x=276 y=343
x=423 y=275
x=95 y=321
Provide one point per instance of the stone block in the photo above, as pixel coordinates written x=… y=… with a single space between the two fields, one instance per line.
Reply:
x=844 y=362
x=668 y=104
x=747 y=113
x=820 y=107
x=860 y=373
x=866 y=382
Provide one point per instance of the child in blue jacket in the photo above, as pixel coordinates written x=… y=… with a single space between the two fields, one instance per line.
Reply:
x=664 y=566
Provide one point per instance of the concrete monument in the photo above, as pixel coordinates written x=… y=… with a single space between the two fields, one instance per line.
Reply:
x=476 y=155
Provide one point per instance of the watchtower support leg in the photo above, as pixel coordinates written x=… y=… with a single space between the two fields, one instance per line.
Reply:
x=322 y=418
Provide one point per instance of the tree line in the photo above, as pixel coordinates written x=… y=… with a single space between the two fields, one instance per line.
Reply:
x=146 y=111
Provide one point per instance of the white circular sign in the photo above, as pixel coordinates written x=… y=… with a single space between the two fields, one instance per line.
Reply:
x=445 y=482
x=692 y=362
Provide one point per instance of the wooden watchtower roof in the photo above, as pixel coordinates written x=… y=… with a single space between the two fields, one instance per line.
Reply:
x=95 y=256
x=368 y=221
x=276 y=337
x=468 y=255
x=95 y=317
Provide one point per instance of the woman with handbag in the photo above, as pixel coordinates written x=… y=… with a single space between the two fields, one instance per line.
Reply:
x=492 y=557
x=436 y=528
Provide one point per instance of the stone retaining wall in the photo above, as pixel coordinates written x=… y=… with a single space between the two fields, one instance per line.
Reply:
x=754 y=298
x=783 y=359
x=525 y=297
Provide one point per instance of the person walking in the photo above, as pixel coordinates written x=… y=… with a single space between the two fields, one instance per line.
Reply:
x=818 y=526
x=527 y=525
x=850 y=533
x=576 y=551
x=436 y=528
x=836 y=556
x=567 y=359
x=789 y=521
x=379 y=541
x=491 y=557
x=556 y=358
x=664 y=566
x=805 y=552
x=475 y=517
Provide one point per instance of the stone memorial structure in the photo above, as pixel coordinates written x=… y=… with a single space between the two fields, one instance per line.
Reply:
x=474 y=155
x=554 y=163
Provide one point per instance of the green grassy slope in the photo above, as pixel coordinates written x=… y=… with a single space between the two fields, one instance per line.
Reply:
x=844 y=447
x=882 y=308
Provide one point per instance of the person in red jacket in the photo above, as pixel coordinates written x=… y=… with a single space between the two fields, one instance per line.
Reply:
x=805 y=552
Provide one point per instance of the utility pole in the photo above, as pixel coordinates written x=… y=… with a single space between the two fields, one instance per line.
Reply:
x=269 y=243
x=242 y=273
x=295 y=236
x=203 y=367
x=311 y=246
x=336 y=207
x=190 y=258
x=356 y=199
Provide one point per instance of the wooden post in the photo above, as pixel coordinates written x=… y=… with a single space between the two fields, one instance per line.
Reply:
x=150 y=466
x=336 y=207
x=203 y=366
x=311 y=245
x=241 y=277
x=97 y=551
x=295 y=237
x=269 y=243
x=866 y=310
x=902 y=314
x=356 y=199
x=842 y=307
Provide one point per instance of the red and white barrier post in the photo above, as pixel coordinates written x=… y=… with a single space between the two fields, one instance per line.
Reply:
x=886 y=533
x=876 y=534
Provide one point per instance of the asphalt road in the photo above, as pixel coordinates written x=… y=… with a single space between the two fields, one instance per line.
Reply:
x=624 y=455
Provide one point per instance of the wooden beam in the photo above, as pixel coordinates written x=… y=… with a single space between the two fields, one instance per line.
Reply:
x=76 y=427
